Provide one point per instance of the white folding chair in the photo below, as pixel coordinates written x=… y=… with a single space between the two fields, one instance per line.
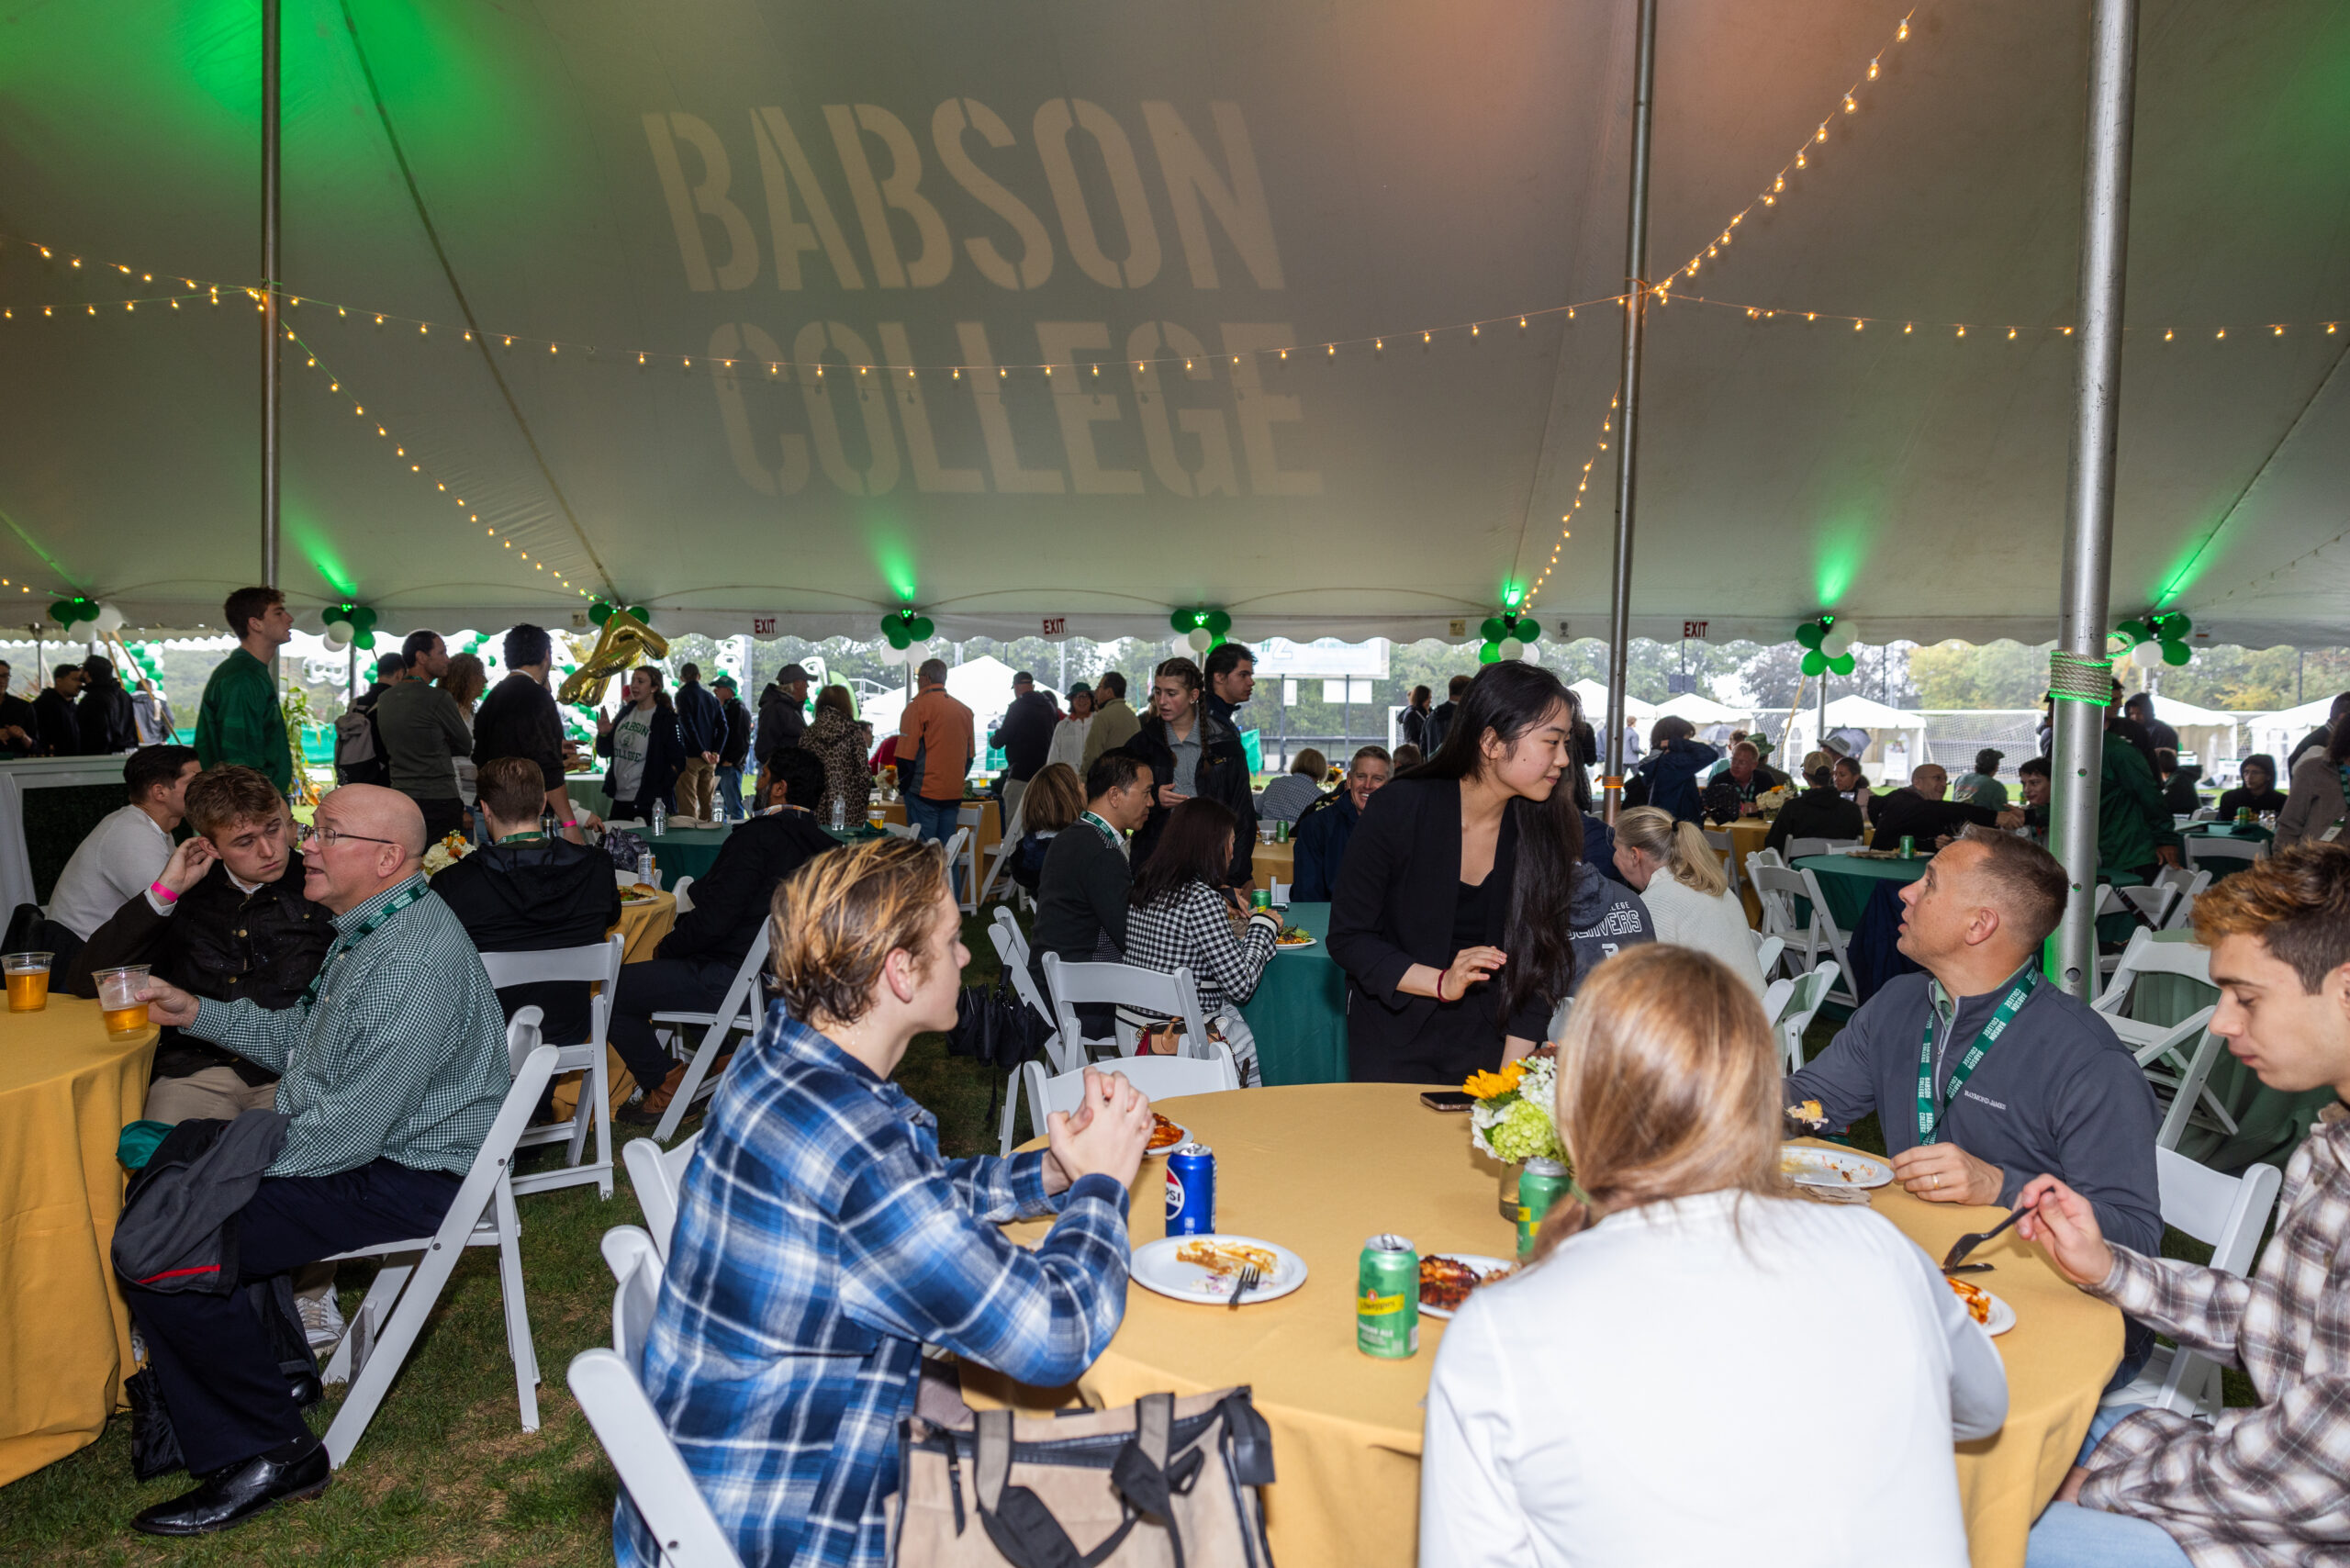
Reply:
x=1767 y=949
x=1005 y=847
x=958 y=843
x=1808 y=945
x=377 y=1341
x=1806 y=993
x=657 y=1174
x=612 y=1398
x=738 y=1012
x=2221 y=855
x=2177 y=1057
x=685 y=899
x=2166 y=901
x=901 y=830
x=1175 y=995
x=598 y=964
x=2229 y=1212
x=1802 y=848
x=1277 y=892
x=1013 y=954
x=1161 y=1078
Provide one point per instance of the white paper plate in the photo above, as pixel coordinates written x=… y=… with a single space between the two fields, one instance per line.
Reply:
x=1155 y=1268
x=1809 y=1166
x=1297 y=946
x=1486 y=1267
x=2003 y=1317
x=1163 y=1153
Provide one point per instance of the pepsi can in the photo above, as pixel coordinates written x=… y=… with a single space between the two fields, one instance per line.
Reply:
x=1191 y=1191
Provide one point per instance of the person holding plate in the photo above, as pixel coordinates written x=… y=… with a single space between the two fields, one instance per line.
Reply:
x=1983 y=1074
x=1464 y=912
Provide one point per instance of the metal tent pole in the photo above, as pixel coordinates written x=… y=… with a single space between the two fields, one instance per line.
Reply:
x=1636 y=300
x=2078 y=672
x=271 y=367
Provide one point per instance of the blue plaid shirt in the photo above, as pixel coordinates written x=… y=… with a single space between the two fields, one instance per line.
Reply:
x=821 y=1241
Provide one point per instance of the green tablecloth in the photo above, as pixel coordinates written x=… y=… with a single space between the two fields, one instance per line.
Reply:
x=588 y=789
x=1847 y=880
x=2270 y=1123
x=689 y=851
x=1298 y=1013
x=857 y=835
x=2227 y=830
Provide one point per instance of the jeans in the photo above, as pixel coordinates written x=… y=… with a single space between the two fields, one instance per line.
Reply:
x=2069 y=1536
x=211 y=1355
x=934 y=819
x=729 y=789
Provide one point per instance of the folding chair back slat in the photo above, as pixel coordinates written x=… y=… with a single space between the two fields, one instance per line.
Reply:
x=651 y=1470
x=657 y=1174
x=1161 y=1078
x=598 y=964
x=1175 y=995
x=738 y=1012
x=2227 y=1213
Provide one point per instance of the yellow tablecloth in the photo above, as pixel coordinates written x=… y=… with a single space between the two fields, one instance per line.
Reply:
x=66 y=1093
x=1319 y=1167
x=1746 y=836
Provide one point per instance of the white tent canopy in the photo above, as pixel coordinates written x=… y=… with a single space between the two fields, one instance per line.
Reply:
x=1699 y=709
x=1594 y=703
x=743 y=313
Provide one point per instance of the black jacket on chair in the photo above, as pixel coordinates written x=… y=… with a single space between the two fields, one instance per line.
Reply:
x=527 y=895
x=731 y=903
x=1224 y=776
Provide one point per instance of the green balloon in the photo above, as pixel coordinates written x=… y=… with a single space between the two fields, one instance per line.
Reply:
x=1528 y=630
x=1490 y=654
x=1842 y=664
x=364 y=639
x=1180 y=621
x=362 y=616
x=2175 y=626
x=2177 y=652
x=1493 y=630
x=599 y=612
x=334 y=612
x=921 y=629
x=2136 y=630
x=1809 y=634
x=1815 y=663
x=893 y=631
x=1218 y=622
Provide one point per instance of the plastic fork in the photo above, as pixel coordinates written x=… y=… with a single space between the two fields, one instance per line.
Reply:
x=1248 y=1278
x=1966 y=1243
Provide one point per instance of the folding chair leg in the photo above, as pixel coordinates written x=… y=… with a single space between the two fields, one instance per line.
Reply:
x=518 y=1344
x=1011 y=1097
x=696 y=1070
x=601 y=1076
x=398 y=1336
x=351 y=1351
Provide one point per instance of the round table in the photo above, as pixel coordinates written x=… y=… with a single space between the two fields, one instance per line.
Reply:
x=1319 y=1168
x=683 y=851
x=1298 y=1011
x=66 y=1093
x=1746 y=835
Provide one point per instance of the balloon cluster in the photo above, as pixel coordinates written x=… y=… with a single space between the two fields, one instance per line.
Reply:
x=68 y=613
x=1203 y=628
x=1510 y=637
x=908 y=632
x=2156 y=640
x=1826 y=648
x=349 y=623
x=603 y=610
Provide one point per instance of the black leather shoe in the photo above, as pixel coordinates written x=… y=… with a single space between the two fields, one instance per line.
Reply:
x=228 y=1497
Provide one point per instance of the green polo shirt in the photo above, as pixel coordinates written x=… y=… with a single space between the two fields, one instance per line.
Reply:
x=242 y=723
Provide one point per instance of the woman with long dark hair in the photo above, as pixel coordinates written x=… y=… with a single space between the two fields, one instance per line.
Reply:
x=1183 y=918
x=1193 y=753
x=647 y=748
x=1464 y=912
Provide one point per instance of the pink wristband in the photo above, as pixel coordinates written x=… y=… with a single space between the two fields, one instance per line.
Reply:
x=571 y=825
x=162 y=893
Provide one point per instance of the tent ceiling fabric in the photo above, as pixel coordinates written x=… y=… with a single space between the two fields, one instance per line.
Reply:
x=955 y=186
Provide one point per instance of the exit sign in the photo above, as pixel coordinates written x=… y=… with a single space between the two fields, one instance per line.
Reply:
x=762 y=625
x=1693 y=628
x=1054 y=625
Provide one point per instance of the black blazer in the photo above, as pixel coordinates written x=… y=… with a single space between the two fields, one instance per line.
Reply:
x=1393 y=908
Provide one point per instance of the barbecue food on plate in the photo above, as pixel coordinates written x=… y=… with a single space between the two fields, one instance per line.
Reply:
x=1977 y=1300
x=1445 y=1283
x=1164 y=1134
x=1219 y=1257
x=1293 y=936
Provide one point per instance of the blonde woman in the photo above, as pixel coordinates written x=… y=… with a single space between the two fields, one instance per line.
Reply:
x=464 y=680
x=1676 y=872
x=1651 y=1390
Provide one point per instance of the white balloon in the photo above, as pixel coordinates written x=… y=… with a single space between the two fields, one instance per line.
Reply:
x=2146 y=654
x=339 y=634
x=1533 y=653
x=1512 y=648
x=1201 y=639
x=109 y=618
x=1837 y=643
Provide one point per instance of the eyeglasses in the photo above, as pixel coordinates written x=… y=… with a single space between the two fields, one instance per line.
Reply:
x=328 y=838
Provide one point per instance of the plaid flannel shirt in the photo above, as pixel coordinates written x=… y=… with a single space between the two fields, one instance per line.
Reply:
x=2262 y=1486
x=820 y=1242
x=399 y=1054
x=1193 y=930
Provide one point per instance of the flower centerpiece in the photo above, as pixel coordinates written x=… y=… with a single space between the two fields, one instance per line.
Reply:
x=1513 y=1119
x=1769 y=801
x=452 y=848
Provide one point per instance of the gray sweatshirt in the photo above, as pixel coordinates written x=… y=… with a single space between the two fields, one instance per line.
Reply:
x=424 y=731
x=2058 y=1093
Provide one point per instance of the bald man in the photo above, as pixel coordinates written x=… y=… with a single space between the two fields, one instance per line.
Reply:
x=1919 y=812
x=394 y=1067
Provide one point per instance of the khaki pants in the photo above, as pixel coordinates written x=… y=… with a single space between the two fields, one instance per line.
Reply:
x=218 y=1093
x=696 y=787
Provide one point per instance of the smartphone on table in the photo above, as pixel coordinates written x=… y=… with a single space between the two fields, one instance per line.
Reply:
x=1447 y=1100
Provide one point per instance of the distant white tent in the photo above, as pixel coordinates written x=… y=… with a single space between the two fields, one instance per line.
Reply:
x=1891 y=730
x=2278 y=734
x=1594 y=702
x=1699 y=709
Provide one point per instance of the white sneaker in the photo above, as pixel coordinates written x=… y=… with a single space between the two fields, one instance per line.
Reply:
x=137 y=1348
x=321 y=1320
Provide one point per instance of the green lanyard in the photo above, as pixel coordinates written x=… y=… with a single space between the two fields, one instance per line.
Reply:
x=366 y=929
x=1110 y=835
x=2330 y=835
x=1930 y=1118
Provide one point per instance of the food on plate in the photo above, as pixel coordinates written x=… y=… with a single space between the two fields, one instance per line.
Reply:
x=1811 y=1164
x=1228 y=1256
x=1164 y=1134
x=1977 y=1300
x=1445 y=1283
x=1293 y=936
x=643 y=891
x=1807 y=1111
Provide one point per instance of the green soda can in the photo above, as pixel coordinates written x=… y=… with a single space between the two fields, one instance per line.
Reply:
x=1387 y=1299
x=1280 y=833
x=1539 y=1186
x=1909 y=848
x=1264 y=898
x=2244 y=816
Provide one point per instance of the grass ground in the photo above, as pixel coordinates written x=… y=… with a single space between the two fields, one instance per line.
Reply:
x=446 y=1475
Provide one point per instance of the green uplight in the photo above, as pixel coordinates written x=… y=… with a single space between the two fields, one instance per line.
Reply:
x=894 y=559
x=1512 y=593
x=1842 y=545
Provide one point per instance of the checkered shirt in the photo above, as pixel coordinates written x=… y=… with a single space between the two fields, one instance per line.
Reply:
x=399 y=1055
x=1193 y=930
x=821 y=1241
x=2260 y=1488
